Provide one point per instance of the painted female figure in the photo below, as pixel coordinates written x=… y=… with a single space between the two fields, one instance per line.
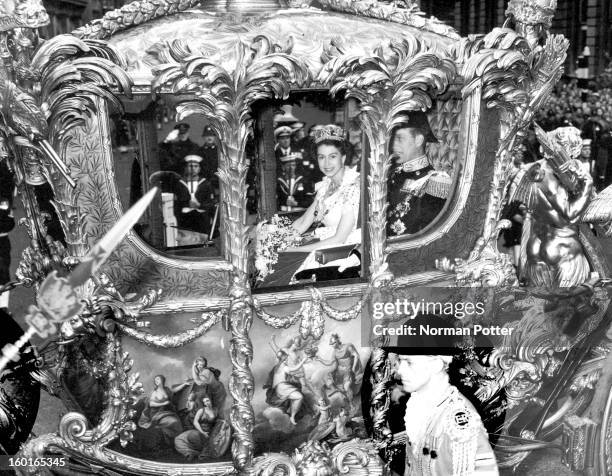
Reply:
x=160 y=412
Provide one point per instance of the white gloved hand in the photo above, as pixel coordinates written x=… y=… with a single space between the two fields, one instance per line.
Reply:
x=352 y=260
x=174 y=133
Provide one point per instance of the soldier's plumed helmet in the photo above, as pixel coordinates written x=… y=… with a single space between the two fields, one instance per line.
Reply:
x=331 y=132
x=416 y=120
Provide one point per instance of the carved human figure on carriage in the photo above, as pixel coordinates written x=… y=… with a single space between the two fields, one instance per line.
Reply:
x=416 y=192
x=556 y=191
x=281 y=389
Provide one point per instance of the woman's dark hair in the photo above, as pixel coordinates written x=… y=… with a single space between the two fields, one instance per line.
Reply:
x=341 y=146
x=162 y=377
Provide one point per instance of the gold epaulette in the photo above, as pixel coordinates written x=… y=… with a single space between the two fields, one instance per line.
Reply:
x=439 y=184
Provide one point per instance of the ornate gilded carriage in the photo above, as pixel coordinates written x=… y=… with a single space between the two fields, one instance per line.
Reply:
x=228 y=62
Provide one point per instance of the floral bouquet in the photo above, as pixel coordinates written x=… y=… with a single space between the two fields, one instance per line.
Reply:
x=273 y=236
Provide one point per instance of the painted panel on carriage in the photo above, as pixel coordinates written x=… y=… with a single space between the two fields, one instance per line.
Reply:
x=182 y=415
x=305 y=388
x=181 y=158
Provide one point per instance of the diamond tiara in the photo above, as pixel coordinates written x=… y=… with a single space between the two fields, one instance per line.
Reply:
x=329 y=132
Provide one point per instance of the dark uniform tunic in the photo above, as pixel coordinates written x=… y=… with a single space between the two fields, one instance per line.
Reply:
x=410 y=213
x=455 y=442
x=210 y=163
x=300 y=196
x=305 y=194
x=188 y=218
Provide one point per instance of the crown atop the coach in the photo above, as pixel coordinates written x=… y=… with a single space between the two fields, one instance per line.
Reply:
x=329 y=132
x=533 y=12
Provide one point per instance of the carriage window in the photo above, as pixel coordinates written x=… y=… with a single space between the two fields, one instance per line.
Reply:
x=421 y=174
x=181 y=159
x=307 y=171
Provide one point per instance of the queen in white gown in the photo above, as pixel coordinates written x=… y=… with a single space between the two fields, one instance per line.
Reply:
x=335 y=210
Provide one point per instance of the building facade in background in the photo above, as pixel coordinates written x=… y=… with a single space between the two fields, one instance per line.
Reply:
x=586 y=23
x=66 y=15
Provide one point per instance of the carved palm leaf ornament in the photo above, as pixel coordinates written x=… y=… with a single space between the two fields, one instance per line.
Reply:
x=404 y=75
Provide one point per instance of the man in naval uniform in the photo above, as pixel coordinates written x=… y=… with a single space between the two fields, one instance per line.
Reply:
x=210 y=155
x=286 y=148
x=175 y=147
x=282 y=135
x=194 y=198
x=288 y=178
x=445 y=435
x=416 y=192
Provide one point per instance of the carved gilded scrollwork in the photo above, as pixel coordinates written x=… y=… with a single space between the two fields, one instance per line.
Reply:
x=516 y=76
x=132 y=14
x=115 y=422
x=242 y=382
x=355 y=457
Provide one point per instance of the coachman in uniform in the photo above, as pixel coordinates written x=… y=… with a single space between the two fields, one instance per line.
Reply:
x=416 y=191
x=445 y=435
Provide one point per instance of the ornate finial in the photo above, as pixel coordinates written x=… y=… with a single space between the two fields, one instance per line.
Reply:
x=533 y=12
